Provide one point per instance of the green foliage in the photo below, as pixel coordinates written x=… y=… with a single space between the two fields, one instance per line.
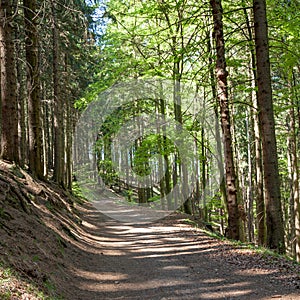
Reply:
x=76 y=190
x=154 y=199
x=35 y=258
x=190 y=222
x=107 y=172
x=128 y=195
x=5 y=295
x=167 y=39
x=150 y=146
x=50 y=206
x=49 y=286
x=7 y=275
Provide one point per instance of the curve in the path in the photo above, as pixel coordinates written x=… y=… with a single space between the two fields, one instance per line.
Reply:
x=157 y=261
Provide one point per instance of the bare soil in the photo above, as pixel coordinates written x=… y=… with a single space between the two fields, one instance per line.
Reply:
x=70 y=250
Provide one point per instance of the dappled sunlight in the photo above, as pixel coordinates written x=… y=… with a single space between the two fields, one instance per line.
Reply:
x=175 y=267
x=148 y=262
x=89 y=225
x=153 y=261
x=212 y=281
x=255 y=272
x=169 y=252
x=232 y=295
x=105 y=276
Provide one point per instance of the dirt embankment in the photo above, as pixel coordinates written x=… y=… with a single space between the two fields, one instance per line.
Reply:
x=36 y=223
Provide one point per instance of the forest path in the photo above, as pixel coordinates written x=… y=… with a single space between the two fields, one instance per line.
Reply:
x=165 y=260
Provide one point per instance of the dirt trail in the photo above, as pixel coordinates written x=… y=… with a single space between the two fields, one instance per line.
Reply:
x=164 y=260
x=51 y=241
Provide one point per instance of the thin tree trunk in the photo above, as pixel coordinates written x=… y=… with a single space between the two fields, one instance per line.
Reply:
x=239 y=176
x=258 y=187
x=221 y=73
x=275 y=228
x=161 y=168
x=21 y=97
x=203 y=177
x=295 y=190
x=291 y=229
x=166 y=181
x=69 y=135
x=217 y=125
x=58 y=148
x=69 y=139
x=250 y=220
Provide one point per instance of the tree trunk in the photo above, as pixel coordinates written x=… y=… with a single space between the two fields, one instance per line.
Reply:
x=33 y=88
x=221 y=73
x=166 y=181
x=68 y=134
x=217 y=126
x=9 y=117
x=250 y=197
x=294 y=179
x=295 y=175
x=21 y=97
x=69 y=140
x=275 y=229
x=258 y=186
x=58 y=144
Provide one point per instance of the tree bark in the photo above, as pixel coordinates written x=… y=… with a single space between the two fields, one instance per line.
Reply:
x=21 y=98
x=259 y=184
x=9 y=116
x=217 y=125
x=33 y=87
x=295 y=172
x=258 y=191
x=250 y=138
x=59 y=153
x=294 y=178
x=222 y=74
x=275 y=228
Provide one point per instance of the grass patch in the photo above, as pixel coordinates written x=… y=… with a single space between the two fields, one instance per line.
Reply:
x=190 y=222
x=13 y=286
x=76 y=190
x=35 y=258
x=5 y=295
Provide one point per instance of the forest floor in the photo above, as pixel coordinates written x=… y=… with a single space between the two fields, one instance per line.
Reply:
x=52 y=244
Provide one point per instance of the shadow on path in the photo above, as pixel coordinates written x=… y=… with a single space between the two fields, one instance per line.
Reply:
x=162 y=260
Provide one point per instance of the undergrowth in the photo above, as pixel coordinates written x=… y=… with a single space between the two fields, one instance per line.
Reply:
x=12 y=285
